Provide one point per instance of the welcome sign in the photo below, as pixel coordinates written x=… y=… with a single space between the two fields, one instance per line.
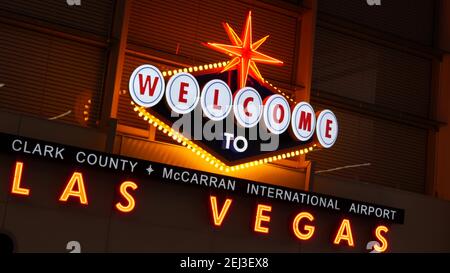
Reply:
x=226 y=112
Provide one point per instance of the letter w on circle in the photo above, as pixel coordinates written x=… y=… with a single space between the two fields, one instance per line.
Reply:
x=218 y=217
x=147 y=83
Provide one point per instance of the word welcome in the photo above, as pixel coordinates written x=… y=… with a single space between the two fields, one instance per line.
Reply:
x=183 y=93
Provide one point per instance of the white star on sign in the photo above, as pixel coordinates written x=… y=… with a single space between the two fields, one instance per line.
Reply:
x=149 y=169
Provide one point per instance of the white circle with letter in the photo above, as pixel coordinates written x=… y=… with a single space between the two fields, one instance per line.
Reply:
x=277 y=114
x=182 y=93
x=216 y=100
x=303 y=121
x=327 y=128
x=247 y=106
x=146 y=85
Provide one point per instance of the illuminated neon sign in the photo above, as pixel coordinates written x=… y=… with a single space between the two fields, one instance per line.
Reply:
x=302 y=226
x=232 y=91
x=220 y=193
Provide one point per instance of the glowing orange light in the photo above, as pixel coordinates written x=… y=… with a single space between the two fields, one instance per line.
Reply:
x=160 y=125
x=384 y=243
x=244 y=53
x=260 y=217
x=16 y=188
x=344 y=233
x=308 y=228
x=128 y=197
x=219 y=216
x=76 y=179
